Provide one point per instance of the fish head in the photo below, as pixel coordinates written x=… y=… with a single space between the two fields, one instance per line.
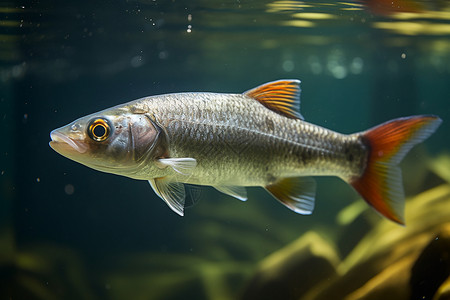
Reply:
x=113 y=141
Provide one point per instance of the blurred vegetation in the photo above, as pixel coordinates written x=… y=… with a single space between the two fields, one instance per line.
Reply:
x=234 y=255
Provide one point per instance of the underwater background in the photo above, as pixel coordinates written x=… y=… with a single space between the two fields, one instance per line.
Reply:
x=70 y=232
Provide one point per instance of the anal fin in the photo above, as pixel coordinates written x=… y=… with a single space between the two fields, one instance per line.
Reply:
x=296 y=193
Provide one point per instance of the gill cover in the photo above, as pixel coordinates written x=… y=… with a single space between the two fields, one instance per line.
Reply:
x=146 y=141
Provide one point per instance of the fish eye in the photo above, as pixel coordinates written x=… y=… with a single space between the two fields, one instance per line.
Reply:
x=99 y=129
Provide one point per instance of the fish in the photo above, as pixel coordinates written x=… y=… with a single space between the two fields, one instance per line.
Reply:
x=232 y=141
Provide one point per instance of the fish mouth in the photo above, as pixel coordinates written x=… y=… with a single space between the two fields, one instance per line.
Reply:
x=61 y=139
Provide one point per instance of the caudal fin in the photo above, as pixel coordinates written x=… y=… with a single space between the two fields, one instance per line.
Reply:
x=381 y=183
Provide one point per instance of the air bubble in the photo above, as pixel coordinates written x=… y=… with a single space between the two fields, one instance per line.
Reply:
x=288 y=66
x=136 y=61
x=69 y=189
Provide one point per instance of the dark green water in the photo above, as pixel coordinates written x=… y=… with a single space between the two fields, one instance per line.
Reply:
x=69 y=232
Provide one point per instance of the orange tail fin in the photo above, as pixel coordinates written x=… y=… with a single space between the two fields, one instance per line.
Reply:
x=381 y=183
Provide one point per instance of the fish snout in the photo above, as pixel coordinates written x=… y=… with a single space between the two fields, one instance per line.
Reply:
x=61 y=143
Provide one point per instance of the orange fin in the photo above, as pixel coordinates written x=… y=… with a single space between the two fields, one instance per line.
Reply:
x=296 y=193
x=281 y=96
x=381 y=182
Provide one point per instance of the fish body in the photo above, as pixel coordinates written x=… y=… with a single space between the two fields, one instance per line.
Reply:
x=230 y=141
x=254 y=148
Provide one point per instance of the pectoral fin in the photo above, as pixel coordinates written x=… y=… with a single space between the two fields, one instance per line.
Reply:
x=237 y=192
x=172 y=192
x=183 y=166
x=296 y=193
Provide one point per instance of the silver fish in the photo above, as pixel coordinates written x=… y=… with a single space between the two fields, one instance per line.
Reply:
x=231 y=141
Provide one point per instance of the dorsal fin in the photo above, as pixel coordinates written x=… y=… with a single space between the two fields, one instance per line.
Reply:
x=281 y=96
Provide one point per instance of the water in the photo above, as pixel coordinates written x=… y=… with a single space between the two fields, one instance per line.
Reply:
x=69 y=232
